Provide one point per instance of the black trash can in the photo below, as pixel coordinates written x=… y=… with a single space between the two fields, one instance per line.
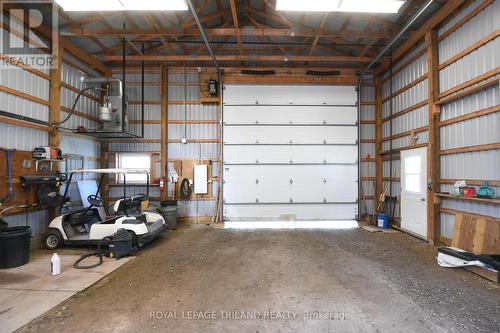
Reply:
x=15 y=244
x=168 y=211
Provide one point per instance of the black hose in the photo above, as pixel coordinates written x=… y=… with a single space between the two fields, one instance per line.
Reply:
x=98 y=254
x=185 y=189
x=80 y=93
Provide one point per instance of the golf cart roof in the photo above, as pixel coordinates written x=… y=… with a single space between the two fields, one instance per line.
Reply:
x=111 y=171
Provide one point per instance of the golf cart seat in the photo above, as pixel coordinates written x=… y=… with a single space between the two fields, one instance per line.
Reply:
x=129 y=205
x=82 y=216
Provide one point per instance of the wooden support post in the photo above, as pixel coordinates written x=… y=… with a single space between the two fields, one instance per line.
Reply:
x=55 y=105
x=105 y=165
x=379 y=185
x=164 y=126
x=433 y=160
x=55 y=97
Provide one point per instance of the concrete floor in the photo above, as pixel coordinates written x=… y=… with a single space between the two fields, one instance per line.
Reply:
x=363 y=281
x=29 y=291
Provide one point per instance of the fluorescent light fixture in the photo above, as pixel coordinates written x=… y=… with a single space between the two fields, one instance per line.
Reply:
x=120 y=5
x=353 y=6
x=347 y=224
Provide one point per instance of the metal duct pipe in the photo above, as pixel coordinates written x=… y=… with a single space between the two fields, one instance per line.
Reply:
x=365 y=71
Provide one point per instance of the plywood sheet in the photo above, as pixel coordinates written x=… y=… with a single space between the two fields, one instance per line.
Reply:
x=475 y=234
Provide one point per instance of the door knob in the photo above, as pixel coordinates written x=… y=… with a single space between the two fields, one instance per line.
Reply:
x=422 y=199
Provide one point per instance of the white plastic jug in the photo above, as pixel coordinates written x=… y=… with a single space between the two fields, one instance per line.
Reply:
x=55 y=264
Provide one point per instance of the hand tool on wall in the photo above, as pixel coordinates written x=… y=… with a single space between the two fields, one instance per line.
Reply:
x=10 y=192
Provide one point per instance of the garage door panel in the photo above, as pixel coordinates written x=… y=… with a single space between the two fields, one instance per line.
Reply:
x=333 y=183
x=247 y=184
x=266 y=114
x=263 y=212
x=290 y=152
x=289 y=134
x=324 y=154
x=260 y=154
x=285 y=154
x=285 y=95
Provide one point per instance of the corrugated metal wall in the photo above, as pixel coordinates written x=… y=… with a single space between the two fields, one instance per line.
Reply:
x=36 y=84
x=183 y=104
x=397 y=98
x=476 y=131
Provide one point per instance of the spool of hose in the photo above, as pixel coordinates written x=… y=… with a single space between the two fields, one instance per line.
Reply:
x=185 y=189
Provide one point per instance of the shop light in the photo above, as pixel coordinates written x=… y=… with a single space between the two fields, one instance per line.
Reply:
x=120 y=5
x=352 y=6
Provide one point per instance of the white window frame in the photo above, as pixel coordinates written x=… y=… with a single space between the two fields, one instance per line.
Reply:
x=131 y=178
x=419 y=174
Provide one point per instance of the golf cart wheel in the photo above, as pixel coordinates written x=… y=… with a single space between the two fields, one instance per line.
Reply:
x=53 y=239
x=135 y=242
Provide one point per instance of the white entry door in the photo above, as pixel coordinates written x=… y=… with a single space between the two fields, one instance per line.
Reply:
x=414 y=191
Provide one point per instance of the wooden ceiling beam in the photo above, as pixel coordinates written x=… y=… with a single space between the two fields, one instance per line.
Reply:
x=234 y=14
x=321 y=27
x=349 y=49
x=259 y=25
x=257 y=58
x=246 y=31
x=191 y=21
x=156 y=26
x=74 y=24
x=207 y=18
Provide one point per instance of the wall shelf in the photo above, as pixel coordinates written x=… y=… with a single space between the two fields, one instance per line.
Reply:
x=37 y=162
x=495 y=200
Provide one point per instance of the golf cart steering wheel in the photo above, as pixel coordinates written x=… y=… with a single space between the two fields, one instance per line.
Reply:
x=95 y=200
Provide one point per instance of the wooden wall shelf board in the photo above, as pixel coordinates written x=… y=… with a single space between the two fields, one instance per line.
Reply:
x=494 y=201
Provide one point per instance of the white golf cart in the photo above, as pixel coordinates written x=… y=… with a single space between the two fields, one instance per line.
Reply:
x=88 y=225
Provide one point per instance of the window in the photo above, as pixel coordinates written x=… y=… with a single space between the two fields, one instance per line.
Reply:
x=412 y=174
x=134 y=161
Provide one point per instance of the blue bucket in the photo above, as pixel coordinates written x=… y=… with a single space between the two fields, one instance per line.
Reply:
x=382 y=220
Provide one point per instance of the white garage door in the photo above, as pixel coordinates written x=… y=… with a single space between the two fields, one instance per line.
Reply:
x=290 y=152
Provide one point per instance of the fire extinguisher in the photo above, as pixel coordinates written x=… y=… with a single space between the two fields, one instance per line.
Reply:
x=162 y=184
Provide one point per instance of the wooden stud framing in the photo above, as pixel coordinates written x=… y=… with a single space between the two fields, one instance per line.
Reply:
x=164 y=126
x=55 y=97
x=433 y=158
x=379 y=185
x=468 y=91
x=468 y=149
x=105 y=164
